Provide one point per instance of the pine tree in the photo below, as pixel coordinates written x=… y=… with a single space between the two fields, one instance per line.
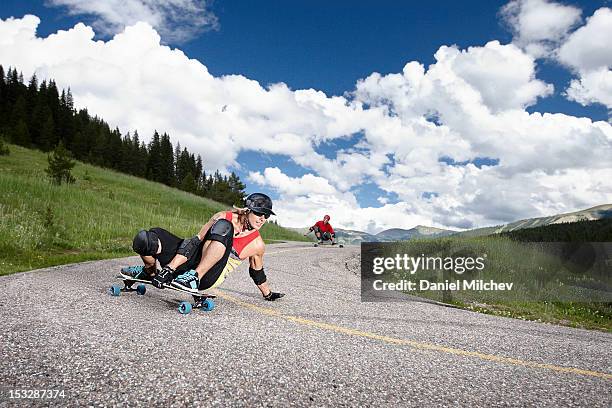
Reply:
x=79 y=146
x=80 y=143
x=139 y=157
x=65 y=121
x=21 y=135
x=167 y=161
x=40 y=114
x=4 y=150
x=143 y=159
x=237 y=189
x=53 y=99
x=112 y=154
x=60 y=165
x=99 y=146
x=31 y=97
x=201 y=184
x=177 y=155
x=188 y=184
x=2 y=82
x=3 y=104
x=198 y=170
x=185 y=164
x=47 y=134
x=154 y=162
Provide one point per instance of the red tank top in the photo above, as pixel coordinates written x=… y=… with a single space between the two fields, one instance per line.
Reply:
x=240 y=242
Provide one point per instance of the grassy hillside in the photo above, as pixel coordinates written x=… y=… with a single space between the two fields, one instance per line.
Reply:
x=550 y=285
x=95 y=218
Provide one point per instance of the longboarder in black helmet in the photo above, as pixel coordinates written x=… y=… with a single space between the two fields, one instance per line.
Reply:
x=228 y=238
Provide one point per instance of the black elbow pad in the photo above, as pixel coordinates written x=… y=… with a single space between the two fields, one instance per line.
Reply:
x=258 y=276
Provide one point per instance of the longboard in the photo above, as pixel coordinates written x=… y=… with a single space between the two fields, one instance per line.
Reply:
x=316 y=244
x=201 y=299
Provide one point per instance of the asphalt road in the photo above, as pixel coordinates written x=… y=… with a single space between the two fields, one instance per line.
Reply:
x=318 y=346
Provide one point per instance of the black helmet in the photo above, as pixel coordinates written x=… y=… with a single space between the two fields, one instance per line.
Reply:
x=145 y=243
x=260 y=203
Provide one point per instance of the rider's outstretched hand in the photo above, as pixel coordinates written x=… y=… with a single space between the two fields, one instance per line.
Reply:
x=163 y=276
x=272 y=296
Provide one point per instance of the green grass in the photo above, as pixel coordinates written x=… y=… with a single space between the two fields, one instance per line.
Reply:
x=545 y=288
x=96 y=218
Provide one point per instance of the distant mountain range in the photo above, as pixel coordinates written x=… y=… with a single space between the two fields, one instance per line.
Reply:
x=591 y=214
x=394 y=234
x=420 y=231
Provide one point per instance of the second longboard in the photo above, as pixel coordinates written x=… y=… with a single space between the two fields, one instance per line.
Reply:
x=328 y=245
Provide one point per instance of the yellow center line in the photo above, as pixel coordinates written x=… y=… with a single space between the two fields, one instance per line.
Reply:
x=412 y=343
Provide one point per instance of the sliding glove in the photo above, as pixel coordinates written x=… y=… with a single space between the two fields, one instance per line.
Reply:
x=272 y=296
x=164 y=276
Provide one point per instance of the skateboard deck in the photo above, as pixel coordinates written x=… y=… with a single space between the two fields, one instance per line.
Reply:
x=202 y=300
x=316 y=244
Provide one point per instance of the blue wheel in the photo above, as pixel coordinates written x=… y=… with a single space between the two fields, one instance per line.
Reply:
x=141 y=289
x=115 y=290
x=184 y=307
x=208 y=305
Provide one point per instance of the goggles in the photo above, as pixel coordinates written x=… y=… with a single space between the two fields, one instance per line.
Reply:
x=259 y=214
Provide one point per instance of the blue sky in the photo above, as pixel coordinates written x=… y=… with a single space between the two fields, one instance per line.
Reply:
x=329 y=47
x=312 y=44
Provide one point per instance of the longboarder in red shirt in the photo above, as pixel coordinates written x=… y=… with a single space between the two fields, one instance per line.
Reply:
x=324 y=231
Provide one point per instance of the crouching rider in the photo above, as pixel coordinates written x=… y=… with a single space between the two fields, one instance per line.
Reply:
x=203 y=262
x=323 y=231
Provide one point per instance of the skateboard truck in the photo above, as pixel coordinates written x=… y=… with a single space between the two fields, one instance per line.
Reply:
x=203 y=302
x=127 y=287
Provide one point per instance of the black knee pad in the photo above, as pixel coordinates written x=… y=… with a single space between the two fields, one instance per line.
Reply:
x=326 y=236
x=222 y=231
x=189 y=246
x=145 y=243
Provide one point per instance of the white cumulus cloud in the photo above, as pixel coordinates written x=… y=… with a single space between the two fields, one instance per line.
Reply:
x=544 y=29
x=496 y=76
x=175 y=20
x=293 y=186
x=539 y=25
x=588 y=53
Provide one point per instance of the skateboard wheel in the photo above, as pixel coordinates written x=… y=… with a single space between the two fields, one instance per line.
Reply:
x=341 y=246
x=208 y=305
x=316 y=245
x=184 y=307
x=115 y=290
x=141 y=289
